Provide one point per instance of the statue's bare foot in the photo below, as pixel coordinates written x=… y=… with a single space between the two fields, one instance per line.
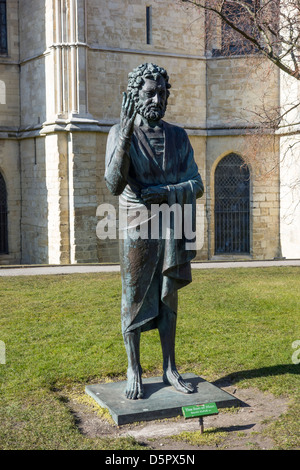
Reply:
x=172 y=377
x=134 y=388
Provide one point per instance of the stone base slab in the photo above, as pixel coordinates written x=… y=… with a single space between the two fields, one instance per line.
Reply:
x=160 y=400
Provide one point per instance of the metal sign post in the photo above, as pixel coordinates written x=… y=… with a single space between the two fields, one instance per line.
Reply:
x=194 y=411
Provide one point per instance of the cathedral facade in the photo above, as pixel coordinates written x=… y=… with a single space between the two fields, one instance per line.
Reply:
x=63 y=67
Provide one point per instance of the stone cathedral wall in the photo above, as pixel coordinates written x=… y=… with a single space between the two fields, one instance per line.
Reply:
x=61 y=90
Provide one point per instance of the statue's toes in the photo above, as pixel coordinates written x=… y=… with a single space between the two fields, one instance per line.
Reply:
x=134 y=391
x=189 y=387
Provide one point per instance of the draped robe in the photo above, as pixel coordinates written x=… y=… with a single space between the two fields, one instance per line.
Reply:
x=153 y=270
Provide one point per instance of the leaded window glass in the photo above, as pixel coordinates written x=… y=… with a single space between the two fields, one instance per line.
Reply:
x=232 y=206
x=3 y=217
x=3 y=27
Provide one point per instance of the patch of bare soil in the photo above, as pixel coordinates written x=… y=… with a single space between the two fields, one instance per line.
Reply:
x=242 y=428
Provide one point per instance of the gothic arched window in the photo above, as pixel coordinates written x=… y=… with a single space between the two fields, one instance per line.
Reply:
x=232 y=206
x=3 y=217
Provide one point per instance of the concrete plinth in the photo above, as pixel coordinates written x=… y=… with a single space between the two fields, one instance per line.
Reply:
x=160 y=400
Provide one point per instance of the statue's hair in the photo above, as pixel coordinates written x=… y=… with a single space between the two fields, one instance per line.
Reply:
x=136 y=78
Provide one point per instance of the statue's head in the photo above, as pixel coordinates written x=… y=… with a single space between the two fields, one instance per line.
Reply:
x=149 y=86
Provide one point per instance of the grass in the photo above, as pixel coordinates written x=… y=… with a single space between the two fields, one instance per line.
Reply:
x=211 y=437
x=64 y=331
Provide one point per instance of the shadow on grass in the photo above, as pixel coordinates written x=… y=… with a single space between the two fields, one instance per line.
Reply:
x=236 y=377
x=232 y=428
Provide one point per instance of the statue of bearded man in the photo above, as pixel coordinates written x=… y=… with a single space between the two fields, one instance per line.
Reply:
x=148 y=162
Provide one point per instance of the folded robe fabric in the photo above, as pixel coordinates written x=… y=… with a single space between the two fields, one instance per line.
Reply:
x=153 y=269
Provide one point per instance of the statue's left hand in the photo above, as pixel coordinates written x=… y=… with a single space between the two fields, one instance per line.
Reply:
x=155 y=194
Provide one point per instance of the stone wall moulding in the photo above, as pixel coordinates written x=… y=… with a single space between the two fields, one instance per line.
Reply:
x=70 y=62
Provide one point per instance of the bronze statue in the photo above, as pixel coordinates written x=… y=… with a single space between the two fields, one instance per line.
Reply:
x=150 y=162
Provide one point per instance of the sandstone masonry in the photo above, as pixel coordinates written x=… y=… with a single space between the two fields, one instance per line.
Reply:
x=61 y=86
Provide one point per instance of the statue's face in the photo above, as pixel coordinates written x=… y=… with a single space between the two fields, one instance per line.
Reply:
x=153 y=99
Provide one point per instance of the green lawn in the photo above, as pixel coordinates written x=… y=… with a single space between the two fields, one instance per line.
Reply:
x=64 y=331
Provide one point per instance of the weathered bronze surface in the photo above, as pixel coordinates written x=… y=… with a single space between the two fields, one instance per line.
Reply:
x=148 y=162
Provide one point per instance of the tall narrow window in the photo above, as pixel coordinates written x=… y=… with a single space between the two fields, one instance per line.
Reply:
x=244 y=16
x=3 y=27
x=149 y=25
x=3 y=217
x=232 y=41
x=232 y=206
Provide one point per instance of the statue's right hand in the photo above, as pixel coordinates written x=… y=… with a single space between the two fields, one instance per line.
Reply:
x=127 y=117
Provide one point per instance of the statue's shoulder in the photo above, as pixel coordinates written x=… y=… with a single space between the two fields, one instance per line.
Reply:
x=112 y=140
x=113 y=134
x=114 y=129
x=178 y=131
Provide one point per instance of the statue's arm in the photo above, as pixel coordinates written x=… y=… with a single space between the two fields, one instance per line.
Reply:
x=117 y=162
x=117 y=159
x=194 y=185
x=160 y=193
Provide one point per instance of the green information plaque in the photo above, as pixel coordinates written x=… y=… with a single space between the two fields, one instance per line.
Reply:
x=200 y=410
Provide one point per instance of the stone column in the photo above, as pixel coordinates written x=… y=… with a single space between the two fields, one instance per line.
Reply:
x=70 y=137
x=57 y=198
x=290 y=168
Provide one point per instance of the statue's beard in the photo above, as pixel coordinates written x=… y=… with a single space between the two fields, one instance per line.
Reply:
x=150 y=112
